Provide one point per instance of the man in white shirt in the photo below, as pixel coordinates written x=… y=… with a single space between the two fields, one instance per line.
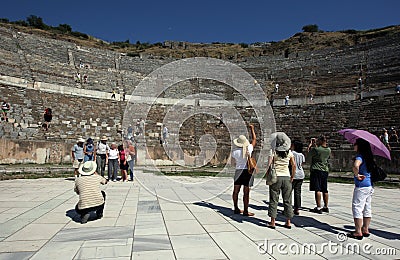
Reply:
x=101 y=155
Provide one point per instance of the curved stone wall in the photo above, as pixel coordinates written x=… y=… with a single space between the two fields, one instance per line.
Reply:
x=36 y=61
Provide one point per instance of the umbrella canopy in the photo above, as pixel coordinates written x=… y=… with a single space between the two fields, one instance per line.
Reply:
x=377 y=147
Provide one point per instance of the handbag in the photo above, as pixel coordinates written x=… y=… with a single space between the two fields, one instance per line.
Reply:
x=377 y=174
x=271 y=173
x=251 y=164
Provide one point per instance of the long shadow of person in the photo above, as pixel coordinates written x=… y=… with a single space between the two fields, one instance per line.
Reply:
x=228 y=212
x=379 y=233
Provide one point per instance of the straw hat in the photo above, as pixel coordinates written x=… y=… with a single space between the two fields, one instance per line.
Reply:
x=242 y=142
x=280 y=141
x=80 y=140
x=104 y=138
x=87 y=168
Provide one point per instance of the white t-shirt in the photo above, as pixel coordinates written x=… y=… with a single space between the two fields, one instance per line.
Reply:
x=113 y=154
x=237 y=154
x=102 y=148
x=299 y=159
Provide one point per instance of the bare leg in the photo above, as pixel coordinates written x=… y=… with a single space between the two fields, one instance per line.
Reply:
x=235 y=196
x=358 y=222
x=318 y=199
x=325 y=197
x=272 y=222
x=246 y=198
x=287 y=222
x=365 y=226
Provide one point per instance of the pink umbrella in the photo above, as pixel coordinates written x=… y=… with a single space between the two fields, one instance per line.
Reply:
x=377 y=147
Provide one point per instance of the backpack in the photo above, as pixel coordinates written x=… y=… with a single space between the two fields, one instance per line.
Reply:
x=377 y=174
x=48 y=111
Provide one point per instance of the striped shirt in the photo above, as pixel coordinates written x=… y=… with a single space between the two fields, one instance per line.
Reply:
x=88 y=189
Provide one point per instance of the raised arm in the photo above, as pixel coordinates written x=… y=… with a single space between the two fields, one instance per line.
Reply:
x=253 y=136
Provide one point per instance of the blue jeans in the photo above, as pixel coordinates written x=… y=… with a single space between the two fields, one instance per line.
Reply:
x=131 y=163
x=112 y=169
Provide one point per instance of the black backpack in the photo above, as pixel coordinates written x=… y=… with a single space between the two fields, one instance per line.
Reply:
x=377 y=174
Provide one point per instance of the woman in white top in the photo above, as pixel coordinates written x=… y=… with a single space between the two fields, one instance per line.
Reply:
x=299 y=159
x=242 y=176
x=281 y=156
x=113 y=162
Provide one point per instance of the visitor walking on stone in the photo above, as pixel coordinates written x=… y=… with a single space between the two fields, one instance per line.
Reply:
x=281 y=157
x=77 y=155
x=319 y=156
x=165 y=134
x=88 y=150
x=47 y=116
x=113 y=161
x=91 y=198
x=287 y=100
x=385 y=138
x=5 y=107
x=101 y=155
x=299 y=159
x=242 y=176
x=123 y=164
x=130 y=157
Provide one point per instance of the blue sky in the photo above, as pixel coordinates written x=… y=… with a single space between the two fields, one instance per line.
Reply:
x=206 y=20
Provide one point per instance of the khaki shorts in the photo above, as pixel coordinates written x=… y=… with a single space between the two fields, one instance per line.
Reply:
x=76 y=164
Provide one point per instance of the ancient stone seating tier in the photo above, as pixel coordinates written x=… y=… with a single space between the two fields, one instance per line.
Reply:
x=53 y=50
x=94 y=58
x=6 y=41
x=144 y=66
x=44 y=70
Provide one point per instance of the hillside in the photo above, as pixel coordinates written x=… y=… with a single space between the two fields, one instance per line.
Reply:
x=299 y=42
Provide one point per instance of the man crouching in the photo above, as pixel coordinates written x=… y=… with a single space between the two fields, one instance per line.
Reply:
x=91 y=198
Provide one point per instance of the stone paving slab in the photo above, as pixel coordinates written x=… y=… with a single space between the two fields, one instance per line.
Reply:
x=158 y=217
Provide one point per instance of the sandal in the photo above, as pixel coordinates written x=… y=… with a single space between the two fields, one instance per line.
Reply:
x=271 y=226
x=351 y=235
x=287 y=226
x=366 y=234
x=248 y=214
x=237 y=211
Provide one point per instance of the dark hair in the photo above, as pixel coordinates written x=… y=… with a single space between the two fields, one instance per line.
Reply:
x=298 y=146
x=322 y=138
x=282 y=154
x=120 y=147
x=364 y=148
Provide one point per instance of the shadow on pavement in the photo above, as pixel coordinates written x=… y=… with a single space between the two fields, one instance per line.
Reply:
x=228 y=212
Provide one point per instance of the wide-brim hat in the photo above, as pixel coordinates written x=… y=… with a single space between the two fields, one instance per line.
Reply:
x=280 y=141
x=241 y=141
x=80 y=140
x=87 y=168
x=104 y=138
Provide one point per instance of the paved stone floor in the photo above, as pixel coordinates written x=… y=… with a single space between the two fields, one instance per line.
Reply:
x=185 y=218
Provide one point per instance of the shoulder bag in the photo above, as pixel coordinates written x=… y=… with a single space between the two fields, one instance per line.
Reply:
x=251 y=164
x=271 y=173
